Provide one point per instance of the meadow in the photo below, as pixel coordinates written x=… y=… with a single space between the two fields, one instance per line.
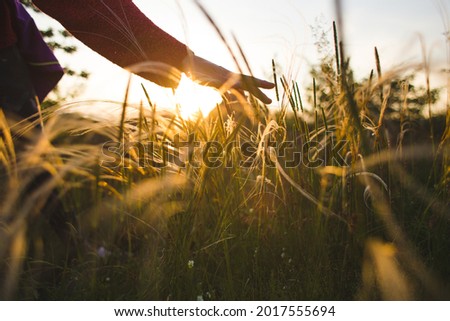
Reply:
x=347 y=199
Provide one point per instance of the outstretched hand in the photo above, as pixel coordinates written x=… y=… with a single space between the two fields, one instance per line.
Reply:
x=210 y=74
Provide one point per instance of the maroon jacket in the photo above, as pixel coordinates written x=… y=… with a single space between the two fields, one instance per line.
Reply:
x=119 y=31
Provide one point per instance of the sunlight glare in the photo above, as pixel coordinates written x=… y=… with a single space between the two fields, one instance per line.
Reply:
x=194 y=98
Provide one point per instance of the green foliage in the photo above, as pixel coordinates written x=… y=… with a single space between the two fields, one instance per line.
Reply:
x=397 y=88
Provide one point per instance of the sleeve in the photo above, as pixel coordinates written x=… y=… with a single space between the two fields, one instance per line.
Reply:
x=120 y=32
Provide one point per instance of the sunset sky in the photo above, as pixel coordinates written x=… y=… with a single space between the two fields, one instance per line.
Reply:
x=284 y=30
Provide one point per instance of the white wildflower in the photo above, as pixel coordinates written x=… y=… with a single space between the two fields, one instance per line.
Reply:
x=230 y=124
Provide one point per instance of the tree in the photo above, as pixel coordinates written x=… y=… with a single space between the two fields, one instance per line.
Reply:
x=395 y=93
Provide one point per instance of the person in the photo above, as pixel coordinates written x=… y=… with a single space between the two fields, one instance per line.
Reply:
x=28 y=68
x=117 y=30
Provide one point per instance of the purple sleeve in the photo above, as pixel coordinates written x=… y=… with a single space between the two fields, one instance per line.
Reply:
x=45 y=71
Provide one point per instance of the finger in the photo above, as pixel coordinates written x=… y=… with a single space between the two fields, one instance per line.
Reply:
x=261 y=96
x=241 y=92
x=255 y=93
x=252 y=85
x=252 y=81
x=264 y=84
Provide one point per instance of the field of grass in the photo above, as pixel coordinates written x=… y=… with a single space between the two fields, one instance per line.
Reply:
x=347 y=200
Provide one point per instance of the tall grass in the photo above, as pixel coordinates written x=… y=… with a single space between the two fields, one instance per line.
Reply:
x=151 y=206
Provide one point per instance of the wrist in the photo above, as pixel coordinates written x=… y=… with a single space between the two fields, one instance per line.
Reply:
x=187 y=63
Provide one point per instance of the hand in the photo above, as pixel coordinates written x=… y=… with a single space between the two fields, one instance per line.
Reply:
x=210 y=74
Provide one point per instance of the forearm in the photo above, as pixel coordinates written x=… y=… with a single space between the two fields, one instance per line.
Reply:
x=116 y=29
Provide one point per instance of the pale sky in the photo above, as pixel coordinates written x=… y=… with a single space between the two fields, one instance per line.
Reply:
x=282 y=29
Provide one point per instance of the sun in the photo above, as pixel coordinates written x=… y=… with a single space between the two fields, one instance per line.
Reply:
x=193 y=98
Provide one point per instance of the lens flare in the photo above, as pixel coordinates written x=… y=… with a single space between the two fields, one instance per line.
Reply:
x=194 y=98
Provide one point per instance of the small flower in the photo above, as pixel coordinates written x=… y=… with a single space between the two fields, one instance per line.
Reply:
x=102 y=252
x=200 y=297
x=190 y=264
x=260 y=179
x=255 y=253
x=230 y=124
